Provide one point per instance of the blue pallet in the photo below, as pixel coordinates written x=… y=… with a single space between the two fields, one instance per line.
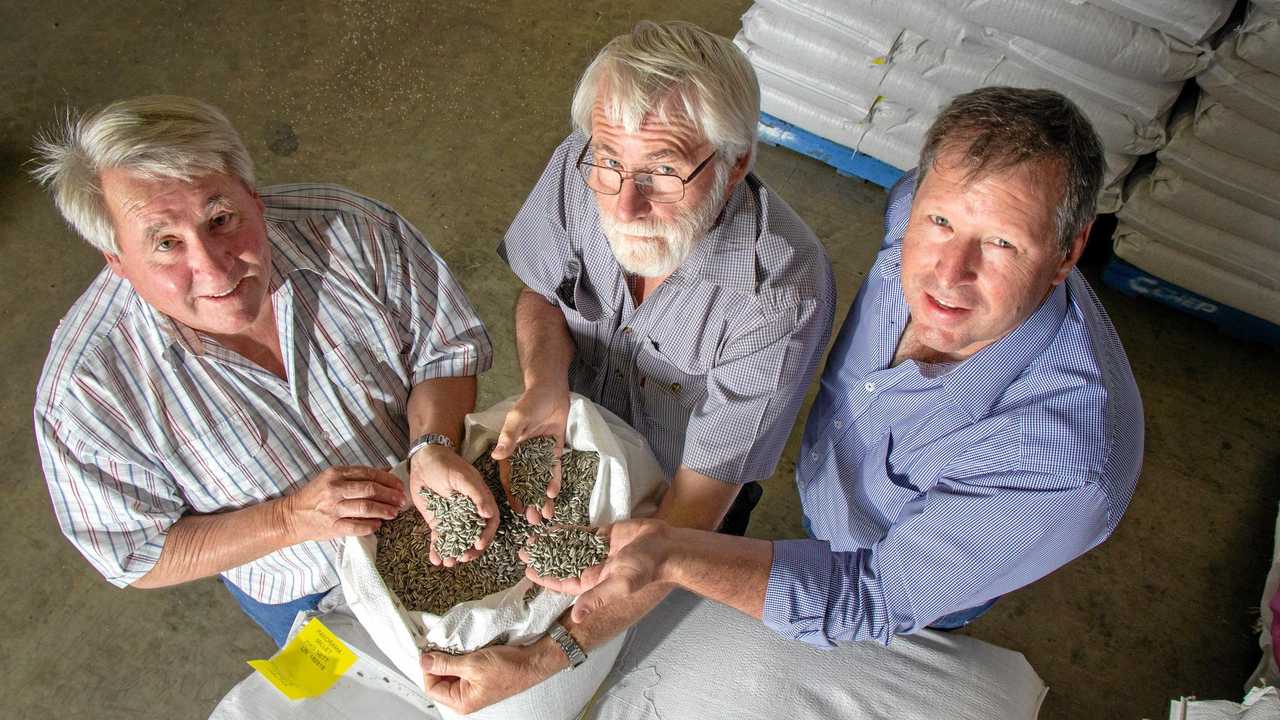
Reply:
x=1136 y=282
x=846 y=161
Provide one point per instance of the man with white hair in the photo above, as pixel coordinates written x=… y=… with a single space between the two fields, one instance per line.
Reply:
x=667 y=283
x=226 y=396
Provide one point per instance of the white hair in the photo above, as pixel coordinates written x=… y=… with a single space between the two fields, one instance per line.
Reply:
x=158 y=136
x=678 y=67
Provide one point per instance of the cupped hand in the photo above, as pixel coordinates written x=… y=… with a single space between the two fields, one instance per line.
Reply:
x=637 y=551
x=443 y=471
x=539 y=411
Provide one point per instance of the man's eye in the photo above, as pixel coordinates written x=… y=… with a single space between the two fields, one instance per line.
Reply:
x=166 y=244
x=610 y=163
x=663 y=170
x=220 y=219
x=939 y=221
x=1002 y=243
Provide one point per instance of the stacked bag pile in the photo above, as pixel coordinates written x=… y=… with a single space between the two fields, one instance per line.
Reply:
x=872 y=74
x=1207 y=218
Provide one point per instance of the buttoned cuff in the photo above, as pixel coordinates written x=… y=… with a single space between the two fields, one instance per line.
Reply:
x=795 y=602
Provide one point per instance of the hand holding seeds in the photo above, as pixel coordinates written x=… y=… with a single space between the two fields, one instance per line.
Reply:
x=442 y=473
x=342 y=501
x=636 y=551
x=540 y=412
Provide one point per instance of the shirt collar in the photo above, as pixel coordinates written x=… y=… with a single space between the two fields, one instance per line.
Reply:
x=726 y=254
x=978 y=382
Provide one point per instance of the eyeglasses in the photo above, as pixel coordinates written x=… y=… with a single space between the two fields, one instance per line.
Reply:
x=656 y=187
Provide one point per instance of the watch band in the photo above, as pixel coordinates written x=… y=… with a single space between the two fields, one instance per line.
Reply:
x=566 y=642
x=429 y=439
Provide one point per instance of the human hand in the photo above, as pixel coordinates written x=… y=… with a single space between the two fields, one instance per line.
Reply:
x=481 y=678
x=637 y=551
x=342 y=501
x=541 y=410
x=443 y=471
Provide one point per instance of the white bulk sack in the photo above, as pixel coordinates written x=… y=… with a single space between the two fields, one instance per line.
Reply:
x=1221 y=127
x=1257 y=263
x=1245 y=88
x=1205 y=279
x=628 y=480
x=1258 y=40
x=1245 y=182
x=1191 y=21
x=1084 y=31
x=1169 y=188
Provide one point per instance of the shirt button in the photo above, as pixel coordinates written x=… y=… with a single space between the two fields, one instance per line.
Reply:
x=617 y=374
x=627 y=330
x=676 y=388
x=839 y=424
x=813 y=456
x=871 y=387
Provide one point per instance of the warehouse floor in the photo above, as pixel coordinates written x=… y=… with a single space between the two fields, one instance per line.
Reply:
x=447 y=111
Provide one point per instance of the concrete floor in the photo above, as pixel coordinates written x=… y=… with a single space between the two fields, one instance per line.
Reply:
x=448 y=111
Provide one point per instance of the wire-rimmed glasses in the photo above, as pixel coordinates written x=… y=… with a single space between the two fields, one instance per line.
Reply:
x=656 y=187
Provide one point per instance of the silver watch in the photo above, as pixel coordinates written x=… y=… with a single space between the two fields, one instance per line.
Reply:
x=566 y=642
x=429 y=439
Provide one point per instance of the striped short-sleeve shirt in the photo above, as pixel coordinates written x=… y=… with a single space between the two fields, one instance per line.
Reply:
x=140 y=421
x=712 y=367
x=935 y=489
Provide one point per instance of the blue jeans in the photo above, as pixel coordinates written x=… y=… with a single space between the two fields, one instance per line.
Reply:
x=275 y=620
x=955 y=620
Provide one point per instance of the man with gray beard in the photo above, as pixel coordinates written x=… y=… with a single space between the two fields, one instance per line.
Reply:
x=668 y=284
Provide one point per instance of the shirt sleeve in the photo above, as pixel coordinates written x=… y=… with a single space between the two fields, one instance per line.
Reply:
x=441 y=333
x=537 y=245
x=962 y=545
x=114 y=507
x=738 y=432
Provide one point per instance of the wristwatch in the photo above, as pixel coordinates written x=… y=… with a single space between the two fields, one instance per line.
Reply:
x=570 y=646
x=429 y=439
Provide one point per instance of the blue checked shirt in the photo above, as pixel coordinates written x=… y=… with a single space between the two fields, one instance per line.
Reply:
x=929 y=495
x=712 y=367
x=140 y=420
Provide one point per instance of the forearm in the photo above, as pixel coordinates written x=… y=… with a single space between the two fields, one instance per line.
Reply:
x=439 y=405
x=543 y=343
x=199 y=546
x=730 y=570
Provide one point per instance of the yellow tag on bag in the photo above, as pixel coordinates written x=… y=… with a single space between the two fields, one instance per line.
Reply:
x=309 y=664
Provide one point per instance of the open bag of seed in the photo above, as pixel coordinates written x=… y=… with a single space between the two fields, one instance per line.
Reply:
x=408 y=605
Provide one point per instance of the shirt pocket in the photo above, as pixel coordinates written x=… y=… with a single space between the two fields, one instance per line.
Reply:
x=884 y=494
x=669 y=390
x=222 y=466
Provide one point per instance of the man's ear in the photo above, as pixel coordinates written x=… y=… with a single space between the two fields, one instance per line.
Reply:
x=113 y=262
x=1073 y=254
x=739 y=170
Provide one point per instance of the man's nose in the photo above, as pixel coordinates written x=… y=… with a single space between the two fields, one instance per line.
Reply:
x=210 y=256
x=632 y=205
x=958 y=262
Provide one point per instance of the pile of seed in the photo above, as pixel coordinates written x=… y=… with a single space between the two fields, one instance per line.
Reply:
x=564 y=552
x=403 y=561
x=531 y=466
x=458 y=523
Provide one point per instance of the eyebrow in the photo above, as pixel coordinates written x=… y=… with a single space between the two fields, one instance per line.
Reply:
x=215 y=201
x=661 y=154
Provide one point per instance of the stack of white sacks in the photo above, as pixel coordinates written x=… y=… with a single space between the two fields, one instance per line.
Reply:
x=872 y=74
x=1207 y=218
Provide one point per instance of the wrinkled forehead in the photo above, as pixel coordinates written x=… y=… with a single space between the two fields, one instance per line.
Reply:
x=667 y=125
x=136 y=197
x=1023 y=196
